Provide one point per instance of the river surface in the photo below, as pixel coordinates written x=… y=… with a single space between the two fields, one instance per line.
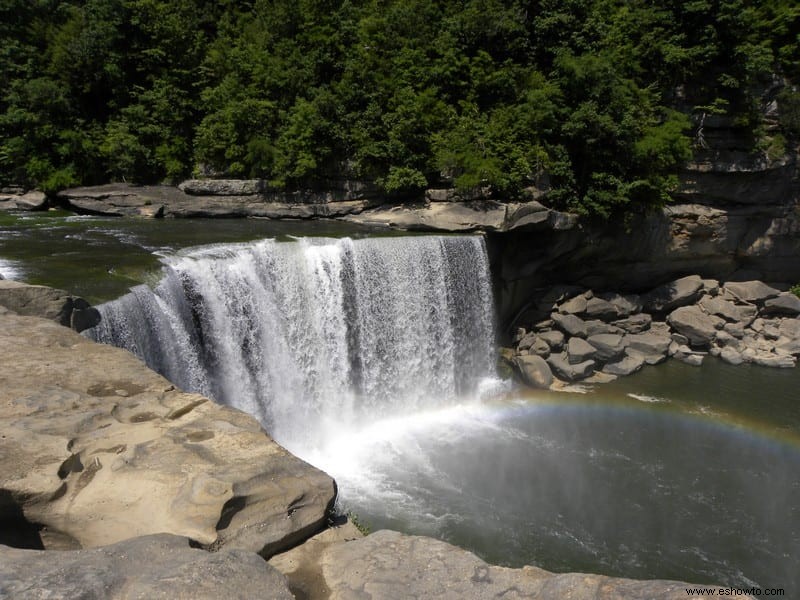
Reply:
x=675 y=473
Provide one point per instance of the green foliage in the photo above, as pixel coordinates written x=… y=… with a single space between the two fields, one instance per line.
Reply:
x=795 y=289
x=358 y=523
x=592 y=98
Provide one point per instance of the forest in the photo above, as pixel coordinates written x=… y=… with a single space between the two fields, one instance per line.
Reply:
x=597 y=100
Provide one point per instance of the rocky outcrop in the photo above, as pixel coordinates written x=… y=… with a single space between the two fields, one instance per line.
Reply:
x=96 y=449
x=355 y=202
x=740 y=322
x=49 y=303
x=19 y=200
x=156 y=566
x=388 y=565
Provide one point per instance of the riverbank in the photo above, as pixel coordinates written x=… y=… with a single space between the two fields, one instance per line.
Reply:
x=98 y=452
x=568 y=334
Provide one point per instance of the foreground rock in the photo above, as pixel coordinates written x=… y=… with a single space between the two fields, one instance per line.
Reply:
x=49 y=303
x=157 y=566
x=388 y=565
x=96 y=448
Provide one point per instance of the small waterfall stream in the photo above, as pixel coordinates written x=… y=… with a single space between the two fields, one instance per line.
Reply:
x=310 y=334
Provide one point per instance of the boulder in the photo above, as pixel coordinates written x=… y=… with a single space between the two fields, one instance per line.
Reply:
x=36 y=300
x=560 y=364
x=96 y=448
x=731 y=356
x=739 y=313
x=630 y=363
x=594 y=327
x=534 y=371
x=49 y=303
x=710 y=287
x=574 y=306
x=700 y=328
x=579 y=350
x=751 y=291
x=635 y=323
x=775 y=360
x=610 y=346
x=790 y=328
x=600 y=377
x=554 y=339
x=671 y=295
x=694 y=359
x=680 y=339
x=785 y=345
x=32 y=201
x=532 y=343
x=734 y=329
x=784 y=303
x=597 y=308
x=154 y=566
x=652 y=345
x=569 y=324
x=624 y=305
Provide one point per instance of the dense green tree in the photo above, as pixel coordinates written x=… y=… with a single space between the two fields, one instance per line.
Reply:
x=598 y=99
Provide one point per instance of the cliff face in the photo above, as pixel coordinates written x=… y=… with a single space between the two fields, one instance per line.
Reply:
x=736 y=215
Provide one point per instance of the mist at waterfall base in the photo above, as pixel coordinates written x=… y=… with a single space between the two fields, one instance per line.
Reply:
x=374 y=359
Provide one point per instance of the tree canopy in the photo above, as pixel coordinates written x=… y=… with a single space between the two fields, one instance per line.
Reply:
x=599 y=98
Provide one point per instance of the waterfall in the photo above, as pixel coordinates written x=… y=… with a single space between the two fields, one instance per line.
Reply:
x=310 y=334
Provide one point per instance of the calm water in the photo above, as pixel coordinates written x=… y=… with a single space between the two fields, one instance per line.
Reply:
x=676 y=472
x=100 y=258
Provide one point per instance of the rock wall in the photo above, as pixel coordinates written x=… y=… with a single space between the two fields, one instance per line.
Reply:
x=732 y=219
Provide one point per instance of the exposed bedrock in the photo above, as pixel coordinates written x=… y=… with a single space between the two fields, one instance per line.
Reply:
x=96 y=448
x=155 y=566
x=388 y=565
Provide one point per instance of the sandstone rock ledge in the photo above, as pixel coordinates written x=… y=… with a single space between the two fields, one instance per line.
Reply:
x=95 y=448
x=387 y=565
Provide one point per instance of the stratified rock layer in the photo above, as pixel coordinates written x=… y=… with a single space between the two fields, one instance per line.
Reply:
x=96 y=448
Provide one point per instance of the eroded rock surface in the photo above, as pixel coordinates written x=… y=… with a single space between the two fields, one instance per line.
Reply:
x=389 y=565
x=96 y=448
x=157 y=566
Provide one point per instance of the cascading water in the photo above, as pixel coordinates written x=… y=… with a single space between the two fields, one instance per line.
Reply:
x=315 y=333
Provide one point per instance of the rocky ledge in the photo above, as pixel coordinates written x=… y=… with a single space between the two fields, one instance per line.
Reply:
x=354 y=202
x=576 y=334
x=96 y=448
x=387 y=565
x=150 y=492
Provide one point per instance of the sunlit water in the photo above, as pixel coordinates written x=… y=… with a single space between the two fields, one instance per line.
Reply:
x=677 y=472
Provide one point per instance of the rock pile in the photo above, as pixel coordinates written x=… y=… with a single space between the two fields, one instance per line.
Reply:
x=599 y=336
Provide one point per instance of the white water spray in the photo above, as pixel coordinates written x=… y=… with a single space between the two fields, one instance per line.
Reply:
x=317 y=335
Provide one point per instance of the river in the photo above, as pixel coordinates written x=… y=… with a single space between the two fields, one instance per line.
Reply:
x=676 y=472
